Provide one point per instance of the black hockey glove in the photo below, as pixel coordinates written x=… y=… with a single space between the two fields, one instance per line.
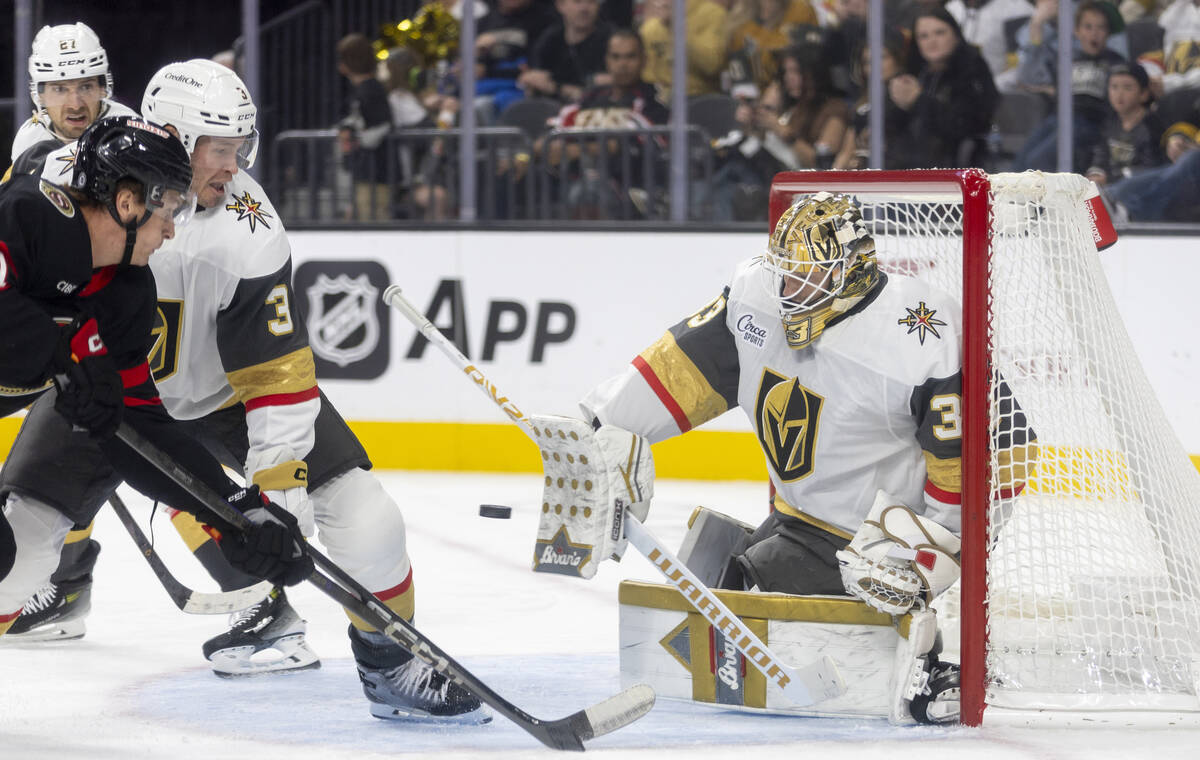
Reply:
x=90 y=392
x=273 y=547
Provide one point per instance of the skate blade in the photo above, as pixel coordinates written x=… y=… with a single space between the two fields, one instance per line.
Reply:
x=476 y=717
x=294 y=655
x=58 y=630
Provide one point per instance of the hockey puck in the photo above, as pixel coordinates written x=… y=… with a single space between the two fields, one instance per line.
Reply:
x=495 y=510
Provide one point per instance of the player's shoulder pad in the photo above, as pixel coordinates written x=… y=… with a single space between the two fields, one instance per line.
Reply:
x=30 y=133
x=35 y=160
x=910 y=331
x=243 y=234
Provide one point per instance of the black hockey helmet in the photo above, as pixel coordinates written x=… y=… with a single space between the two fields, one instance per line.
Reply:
x=129 y=147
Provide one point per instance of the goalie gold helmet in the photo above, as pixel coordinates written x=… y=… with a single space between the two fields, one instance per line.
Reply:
x=819 y=263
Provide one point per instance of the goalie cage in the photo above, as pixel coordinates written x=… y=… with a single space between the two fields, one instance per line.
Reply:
x=1081 y=592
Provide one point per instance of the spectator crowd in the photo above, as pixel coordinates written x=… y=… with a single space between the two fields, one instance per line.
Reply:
x=774 y=85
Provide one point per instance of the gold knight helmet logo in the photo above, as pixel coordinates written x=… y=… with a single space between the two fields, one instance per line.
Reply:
x=787 y=417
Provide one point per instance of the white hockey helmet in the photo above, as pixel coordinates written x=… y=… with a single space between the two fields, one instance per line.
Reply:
x=67 y=51
x=202 y=98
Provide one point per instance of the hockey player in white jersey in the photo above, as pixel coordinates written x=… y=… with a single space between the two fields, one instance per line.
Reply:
x=70 y=85
x=851 y=380
x=233 y=358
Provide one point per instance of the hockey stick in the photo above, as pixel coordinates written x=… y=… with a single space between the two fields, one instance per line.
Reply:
x=191 y=602
x=812 y=683
x=565 y=733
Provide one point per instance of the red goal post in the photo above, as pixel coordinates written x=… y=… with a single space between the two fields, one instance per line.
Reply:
x=1080 y=596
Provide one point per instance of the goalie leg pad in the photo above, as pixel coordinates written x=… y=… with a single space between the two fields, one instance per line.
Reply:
x=362 y=527
x=710 y=545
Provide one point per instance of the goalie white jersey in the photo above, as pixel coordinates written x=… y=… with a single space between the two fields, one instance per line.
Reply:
x=872 y=404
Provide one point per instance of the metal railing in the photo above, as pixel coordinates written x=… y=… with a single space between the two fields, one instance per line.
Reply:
x=412 y=175
x=578 y=174
x=621 y=174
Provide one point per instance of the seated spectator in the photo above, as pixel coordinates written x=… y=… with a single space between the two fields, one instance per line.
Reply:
x=985 y=24
x=569 y=57
x=1170 y=192
x=502 y=47
x=855 y=152
x=1092 y=59
x=362 y=131
x=707 y=43
x=765 y=28
x=815 y=117
x=627 y=103
x=1181 y=45
x=947 y=103
x=747 y=160
x=1129 y=141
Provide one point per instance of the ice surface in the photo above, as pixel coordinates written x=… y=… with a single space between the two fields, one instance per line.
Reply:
x=137 y=687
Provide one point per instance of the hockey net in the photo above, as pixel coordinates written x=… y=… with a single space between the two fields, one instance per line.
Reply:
x=1081 y=590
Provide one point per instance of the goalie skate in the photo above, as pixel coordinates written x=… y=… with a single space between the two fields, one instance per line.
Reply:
x=55 y=612
x=265 y=638
x=401 y=687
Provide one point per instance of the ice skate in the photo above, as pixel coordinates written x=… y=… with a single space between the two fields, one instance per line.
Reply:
x=401 y=687
x=265 y=638
x=55 y=612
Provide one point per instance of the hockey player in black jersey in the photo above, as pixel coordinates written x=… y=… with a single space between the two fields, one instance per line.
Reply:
x=244 y=384
x=77 y=304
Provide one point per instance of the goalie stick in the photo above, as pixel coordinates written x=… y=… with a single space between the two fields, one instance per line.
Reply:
x=567 y=733
x=810 y=684
x=191 y=602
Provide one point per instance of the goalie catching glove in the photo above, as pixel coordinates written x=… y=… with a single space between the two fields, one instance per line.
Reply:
x=272 y=547
x=898 y=558
x=593 y=478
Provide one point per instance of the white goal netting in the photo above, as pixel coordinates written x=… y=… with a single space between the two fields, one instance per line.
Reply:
x=1093 y=571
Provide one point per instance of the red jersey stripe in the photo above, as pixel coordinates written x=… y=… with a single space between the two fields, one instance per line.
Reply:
x=283 y=399
x=664 y=396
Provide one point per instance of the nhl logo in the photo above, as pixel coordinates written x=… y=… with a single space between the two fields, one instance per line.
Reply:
x=342 y=318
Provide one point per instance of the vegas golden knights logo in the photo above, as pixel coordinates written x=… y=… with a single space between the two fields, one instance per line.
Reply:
x=787 y=415
x=164 y=354
x=822 y=243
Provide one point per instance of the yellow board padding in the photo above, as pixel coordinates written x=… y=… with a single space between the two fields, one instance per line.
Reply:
x=699 y=455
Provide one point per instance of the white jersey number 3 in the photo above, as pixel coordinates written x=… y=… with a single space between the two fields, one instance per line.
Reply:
x=950 y=407
x=278 y=298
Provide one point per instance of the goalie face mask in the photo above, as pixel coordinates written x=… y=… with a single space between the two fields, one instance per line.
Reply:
x=820 y=262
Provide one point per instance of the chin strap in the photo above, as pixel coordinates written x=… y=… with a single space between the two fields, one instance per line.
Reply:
x=131 y=228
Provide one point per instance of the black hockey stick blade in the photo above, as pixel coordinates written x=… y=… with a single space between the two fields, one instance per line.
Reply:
x=567 y=733
x=186 y=599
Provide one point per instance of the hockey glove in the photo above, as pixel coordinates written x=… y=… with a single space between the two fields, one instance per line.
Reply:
x=90 y=392
x=272 y=548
